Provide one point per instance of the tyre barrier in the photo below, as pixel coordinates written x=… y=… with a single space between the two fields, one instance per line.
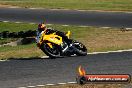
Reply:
x=24 y=41
x=21 y=34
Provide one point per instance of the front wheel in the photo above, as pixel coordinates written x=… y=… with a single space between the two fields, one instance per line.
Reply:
x=81 y=50
x=51 y=52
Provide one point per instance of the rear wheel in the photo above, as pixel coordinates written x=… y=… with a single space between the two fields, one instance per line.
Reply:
x=51 y=52
x=81 y=50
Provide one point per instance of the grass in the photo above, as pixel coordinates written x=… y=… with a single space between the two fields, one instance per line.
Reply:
x=4 y=41
x=114 y=5
x=12 y=27
x=22 y=51
x=95 y=39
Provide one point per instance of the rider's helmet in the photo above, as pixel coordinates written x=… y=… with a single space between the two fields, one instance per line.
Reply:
x=41 y=27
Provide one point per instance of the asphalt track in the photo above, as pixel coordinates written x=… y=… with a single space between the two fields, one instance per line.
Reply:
x=69 y=17
x=30 y=72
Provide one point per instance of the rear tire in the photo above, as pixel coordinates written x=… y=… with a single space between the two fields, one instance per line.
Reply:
x=81 y=50
x=51 y=52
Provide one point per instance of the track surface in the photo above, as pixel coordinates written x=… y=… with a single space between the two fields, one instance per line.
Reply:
x=67 y=17
x=16 y=73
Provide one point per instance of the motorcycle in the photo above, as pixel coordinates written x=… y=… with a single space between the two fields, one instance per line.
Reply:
x=55 y=46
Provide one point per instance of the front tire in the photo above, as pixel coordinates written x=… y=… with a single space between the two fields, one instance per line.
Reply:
x=51 y=52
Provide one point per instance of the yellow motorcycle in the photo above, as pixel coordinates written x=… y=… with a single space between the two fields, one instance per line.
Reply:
x=55 y=46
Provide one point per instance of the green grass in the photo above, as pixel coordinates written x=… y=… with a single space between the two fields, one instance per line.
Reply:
x=12 y=27
x=95 y=39
x=116 y=5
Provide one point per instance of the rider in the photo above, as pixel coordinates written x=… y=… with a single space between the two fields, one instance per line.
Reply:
x=42 y=27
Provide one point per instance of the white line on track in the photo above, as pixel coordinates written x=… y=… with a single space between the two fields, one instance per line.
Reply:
x=118 y=51
x=22 y=87
x=32 y=8
x=59 y=9
x=128 y=28
x=32 y=23
x=50 y=84
x=35 y=8
x=14 y=7
x=61 y=83
x=40 y=85
x=105 y=27
x=71 y=82
x=49 y=24
x=45 y=57
x=3 y=60
x=18 y=22
x=31 y=86
x=128 y=12
x=77 y=10
x=5 y=21
x=65 y=25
